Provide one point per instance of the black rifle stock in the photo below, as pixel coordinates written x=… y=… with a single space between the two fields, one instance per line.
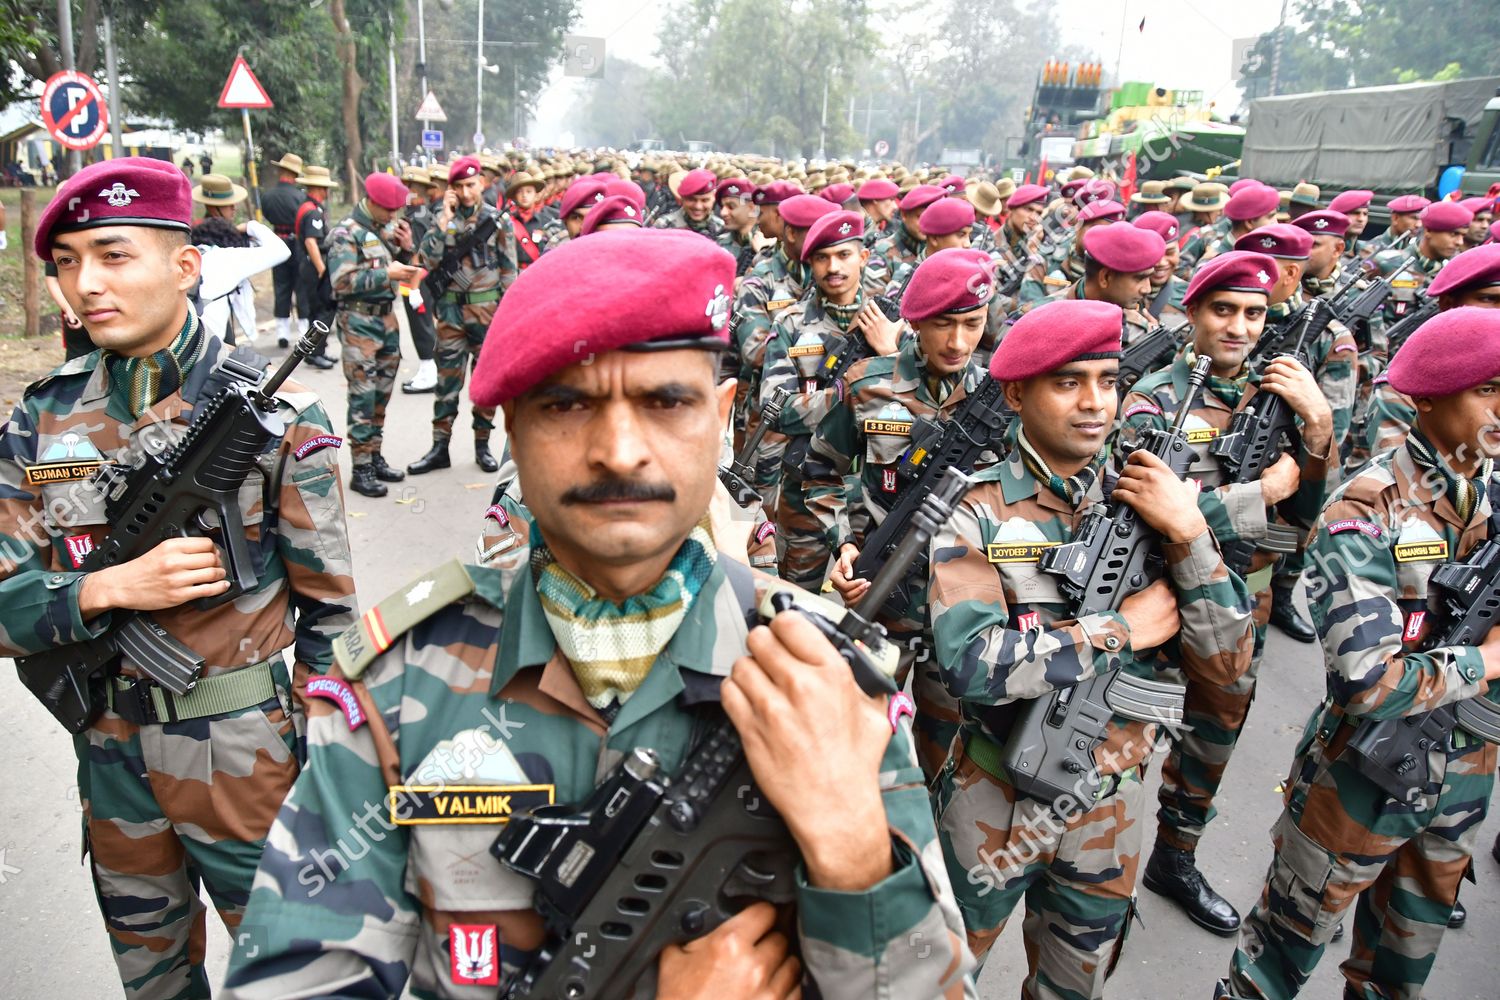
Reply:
x=1408 y=324
x=739 y=478
x=190 y=490
x=1147 y=354
x=447 y=268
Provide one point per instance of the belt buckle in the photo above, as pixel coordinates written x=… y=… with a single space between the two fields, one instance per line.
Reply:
x=139 y=700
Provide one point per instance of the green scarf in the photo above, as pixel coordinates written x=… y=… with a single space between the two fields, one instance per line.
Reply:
x=1230 y=390
x=612 y=646
x=844 y=315
x=939 y=387
x=1071 y=489
x=1462 y=491
x=141 y=383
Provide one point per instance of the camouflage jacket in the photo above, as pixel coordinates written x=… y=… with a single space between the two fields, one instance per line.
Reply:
x=475 y=691
x=553 y=235
x=710 y=227
x=773 y=285
x=1171 y=303
x=1053 y=281
x=70 y=424
x=1391 y=416
x=357 y=257
x=1003 y=633
x=1195 y=247
x=485 y=267
x=1334 y=358
x=1406 y=286
x=899 y=246
x=739 y=247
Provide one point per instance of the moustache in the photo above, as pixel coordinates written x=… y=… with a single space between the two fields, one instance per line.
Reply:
x=617 y=490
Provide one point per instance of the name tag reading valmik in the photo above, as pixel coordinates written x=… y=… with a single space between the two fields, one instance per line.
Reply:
x=415 y=805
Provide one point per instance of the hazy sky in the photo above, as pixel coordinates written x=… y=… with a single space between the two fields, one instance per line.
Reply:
x=1186 y=43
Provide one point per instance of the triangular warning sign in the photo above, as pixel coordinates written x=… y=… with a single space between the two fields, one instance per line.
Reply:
x=431 y=110
x=242 y=89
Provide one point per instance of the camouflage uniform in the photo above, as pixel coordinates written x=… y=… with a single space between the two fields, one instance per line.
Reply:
x=1340 y=837
x=1137 y=322
x=1405 y=287
x=1391 y=416
x=477 y=669
x=1053 y=280
x=710 y=227
x=1003 y=634
x=172 y=806
x=739 y=247
x=773 y=285
x=464 y=310
x=366 y=325
x=1171 y=307
x=900 y=246
x=1195 y=249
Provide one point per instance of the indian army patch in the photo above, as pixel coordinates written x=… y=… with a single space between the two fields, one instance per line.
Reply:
x=378 y=628
x=426 y=805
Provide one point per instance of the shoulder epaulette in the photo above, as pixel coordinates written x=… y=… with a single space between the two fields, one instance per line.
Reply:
x=379 y=628
x=84 y=364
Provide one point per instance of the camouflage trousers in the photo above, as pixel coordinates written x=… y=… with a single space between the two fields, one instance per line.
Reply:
x=1356 y=449
x=460 y=334
x=372 y=356
x=1076 y=873
x=1340 y=838
x=171 y=808
x=936 y=720
x=800 y=537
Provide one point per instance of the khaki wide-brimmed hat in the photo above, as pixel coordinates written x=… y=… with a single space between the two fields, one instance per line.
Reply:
x=1180 y=184
x=314 y=176
x=674 y=180
x=1151 y=193
x=216 y=189
x=985 y=197
x=1306 y=194
x=521 y=179
x=414 y=175
x=1006 y=187
x=1210 y=197
x=290 y=161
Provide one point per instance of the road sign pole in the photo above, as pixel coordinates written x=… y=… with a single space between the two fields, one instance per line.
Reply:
x=65 y=40
x=250 y=164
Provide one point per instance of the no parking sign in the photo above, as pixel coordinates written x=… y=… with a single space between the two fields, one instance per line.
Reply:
x=73 y=110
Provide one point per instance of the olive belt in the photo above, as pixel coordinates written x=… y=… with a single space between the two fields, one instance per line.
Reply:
x=144 y=702
x=471 y=298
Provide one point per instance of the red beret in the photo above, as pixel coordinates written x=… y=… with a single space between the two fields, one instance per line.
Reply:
x=879 y=188
x=1104 y=209
x=837 y=193
x=836 y=227
x=1251 y=202
x=1407 y=204
x=629 y=190
x=1477 y=205
x=386 y=190
x=615 y=208
x=803 y=210
x=1163 y=224
x=1325 y=222
x=1280 y=239
x=1070 y=188
x=1446 y=217
x=612 y=291
x=584 y=192
x=942 y=218
x=1351 y=201
x=775 y=193
x=1055 y=333
x=464 y=166
x=1236 y=271
x=696 y=182
x=736 y=187
x=1095 y=190
x=952 y=280
x=1025 y=195
x=1122 y=247
x=1476 y=268
x=1241 y=184
x=921 y=196
x=1424 y=367
x=952 y=184
x=128 y=191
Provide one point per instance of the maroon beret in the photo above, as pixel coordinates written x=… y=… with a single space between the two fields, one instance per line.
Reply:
x=950 y=215
x=1236 y=271
x=1241 y=184
x=1408 y=204
x=1056 y=333
x=1163 y=224
x=1476 y=268
x=1122 y=247
x=803 y=210
x=874 y=190
x=1351 y=201
x=836 y=227
x=615 y=290
x=614 y=208
x=735 y=187
x=128 y=191
x=1325 y=222
x=1424 y=367
x=629 y=190
x=464 y=166
x=837 y=193
x=1251 y=202
x=1025 y=195
x=775 y=193
x=953 y=184
x=386 y=190
x=949 y=281
x=1095 y=190
x=1070 y=188
x=921 y=196
x=696 y=182
x=1280 y=239
x=584 y=192
x=1479 y=204
x=1104 y=209
x=1446 y=217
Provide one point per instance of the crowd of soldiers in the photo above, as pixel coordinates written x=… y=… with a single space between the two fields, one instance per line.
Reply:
x=725 y=387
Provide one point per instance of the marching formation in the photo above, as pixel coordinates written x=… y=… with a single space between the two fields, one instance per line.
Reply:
x=860 y=540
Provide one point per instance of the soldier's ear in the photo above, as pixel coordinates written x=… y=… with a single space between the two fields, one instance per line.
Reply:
x=1013 y=395
x=186 y=262
x=725 y=392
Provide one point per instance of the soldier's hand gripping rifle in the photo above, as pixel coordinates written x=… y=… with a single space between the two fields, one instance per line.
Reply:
x=649 y=860
x=1049 y=753
x=189 y=490
x=739 y=478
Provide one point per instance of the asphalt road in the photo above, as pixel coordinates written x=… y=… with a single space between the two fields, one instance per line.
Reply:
x=52 y=938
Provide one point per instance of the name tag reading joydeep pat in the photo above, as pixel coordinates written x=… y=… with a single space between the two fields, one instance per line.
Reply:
x=413 y=805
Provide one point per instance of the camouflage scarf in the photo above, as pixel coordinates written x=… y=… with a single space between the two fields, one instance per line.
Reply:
x=842 y=316
x=1230 y=390
x=1462 y=491
x=611 y=646
x=140 y=383
x=939 y=387
x=1071 y=489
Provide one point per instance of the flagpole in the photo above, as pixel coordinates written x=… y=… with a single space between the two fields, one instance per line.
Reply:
x=1120 y=51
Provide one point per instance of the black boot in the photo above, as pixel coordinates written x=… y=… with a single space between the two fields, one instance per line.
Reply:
x=1175 y=875
x=436 y=458
x=364 y=481
x=1458 y=916
x=1222 y=991
x=322 y=361
x=1338 y=932
x=1284 y=616
x=484 y=458
x=1495 y=850
x=384 y=472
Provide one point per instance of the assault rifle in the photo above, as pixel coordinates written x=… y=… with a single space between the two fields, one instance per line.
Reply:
x=190 y=490
x=1049 y=753
x=739 y=478
x=447 y=269
x=649 y=860
x=1148 y=354
x=1354 y=307
x=1407 y=325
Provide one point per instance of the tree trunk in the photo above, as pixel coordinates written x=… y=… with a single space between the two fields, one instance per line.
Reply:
x=354 y=85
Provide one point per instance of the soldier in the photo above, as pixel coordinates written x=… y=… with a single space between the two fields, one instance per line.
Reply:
x=1478 y=232
x=1177 y=189
x=178 y=791
x=1151 y=197
x=945 y=225
x=835 y=255
x=1405 y=212
x=1341 y=835
x=525 y=223
x=581 y=661
x=1201 y=218
x=419 y=321
x=1355 y=206
x=1119 y=260
x=1444 y=224
x=583 y=194
x=312 y=271
x=1226 y=304
x=989 y=206
x=614 y=212
x=1004 y=635
x=465 y=305
x=736 y=197
x=1167 y=289
x=1062 y=256
x=840 y=193
x=904 y=244
x=695 y=197
x=1023 y=214
x=279 y=205
x=880 y=200
x=364 y=263
x=1303 y=199
x=1247 y=210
